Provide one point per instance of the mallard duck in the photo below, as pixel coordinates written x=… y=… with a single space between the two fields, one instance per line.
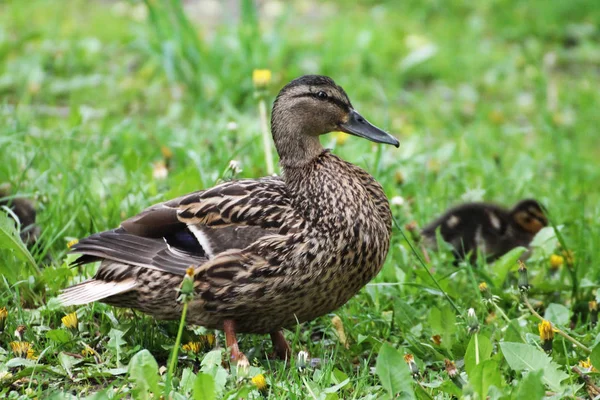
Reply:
x=25 y=212
x=268 y=253
x=487 y=228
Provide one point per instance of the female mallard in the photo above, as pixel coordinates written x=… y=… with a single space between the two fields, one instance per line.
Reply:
x=268 y=253
x=487 y=228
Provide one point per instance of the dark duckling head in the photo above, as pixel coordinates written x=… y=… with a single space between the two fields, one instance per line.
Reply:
x=529 y=215
x=311 y=106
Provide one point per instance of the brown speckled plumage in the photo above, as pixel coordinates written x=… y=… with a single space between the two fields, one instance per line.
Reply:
x=268 y=252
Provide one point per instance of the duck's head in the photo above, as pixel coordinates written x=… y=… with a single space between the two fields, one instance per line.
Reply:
x=529 y=215
x=311 y=106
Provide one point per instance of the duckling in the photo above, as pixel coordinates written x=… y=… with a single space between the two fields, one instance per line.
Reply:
x=268 y=253
x=487 y=228
x=25 y=211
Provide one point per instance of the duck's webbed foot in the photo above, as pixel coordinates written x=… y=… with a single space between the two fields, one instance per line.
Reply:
x=237 y=357
x=282 y=348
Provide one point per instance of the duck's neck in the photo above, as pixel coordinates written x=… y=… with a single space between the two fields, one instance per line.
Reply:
x=294 y=146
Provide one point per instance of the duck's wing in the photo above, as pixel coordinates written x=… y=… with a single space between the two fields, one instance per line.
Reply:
x=190 y=230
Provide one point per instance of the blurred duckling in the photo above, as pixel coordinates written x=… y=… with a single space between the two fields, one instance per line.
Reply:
x=25 y=211
x=485 y=228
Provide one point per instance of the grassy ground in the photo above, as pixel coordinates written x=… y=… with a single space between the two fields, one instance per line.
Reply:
x=494 y=100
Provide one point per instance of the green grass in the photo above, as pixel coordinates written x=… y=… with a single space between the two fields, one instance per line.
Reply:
x=494 y=100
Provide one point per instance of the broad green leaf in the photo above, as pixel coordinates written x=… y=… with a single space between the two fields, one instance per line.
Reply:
x=204 y=387
x=595 y=356
x=10 y=240
x=514 y=332
x=530 y=387
x=212 y=358
x=143 y=371
x=67 y=362
x=188 y=378
x=484 y=375
x=393 y=372
x=484 y=346
x=525 y=357
x=115 y=342
x=58 y=336
x=504 y=264
x=443 y=322
x=557 y=314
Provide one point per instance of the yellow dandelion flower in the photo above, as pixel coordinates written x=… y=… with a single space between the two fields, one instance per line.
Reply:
x=587 y=364
x=208 y=340
x=261 y=77
x=166 y=152
x=190 y=271
x=70 y=321
x=483 y=287
x=3 y=317
x=339 y=329
x=593 y=305
x=31 y=354
x=556 y=261
x=399 y=177
x=340 y=138
x=87 y=351
x=546 y=330
x=20 y=349
x=72 y=243
x=408 y=358
x=192 y=347
x=260 y=382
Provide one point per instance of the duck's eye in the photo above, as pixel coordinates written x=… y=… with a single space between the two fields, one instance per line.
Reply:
x=322 y=95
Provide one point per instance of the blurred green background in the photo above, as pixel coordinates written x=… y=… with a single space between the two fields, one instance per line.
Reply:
x=107 y=107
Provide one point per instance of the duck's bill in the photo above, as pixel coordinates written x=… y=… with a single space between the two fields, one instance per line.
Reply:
x=359 y=126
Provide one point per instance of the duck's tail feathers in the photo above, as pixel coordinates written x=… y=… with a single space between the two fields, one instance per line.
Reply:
x=94 y=290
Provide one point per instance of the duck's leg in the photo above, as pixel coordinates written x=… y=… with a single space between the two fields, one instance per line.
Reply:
x=237 y=357
x=281 y=346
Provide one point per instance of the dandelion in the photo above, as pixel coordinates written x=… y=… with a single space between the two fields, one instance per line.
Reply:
x=339 y=329
x=397 y=201
x=160 y=170
x=437 y=340
x=192 y=347
x=472 y=321
x=587 y=365
x=261 y=78
x=20 y=349
x=453 y=373
x=302 y=359
x=31 y=354
x=340 y=138
x=187 y=285
x=235 y=167
x=410 y=360
x=399 y=177
x=3 y=318
x=72 y=243
x=556 y=261
x=523 y=279
x=20 y=331
x=260 y=382
x=70 y=321
x=208 y=341
x=546 y=335
x=87 y=351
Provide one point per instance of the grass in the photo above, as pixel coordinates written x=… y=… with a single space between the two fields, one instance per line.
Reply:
x=494 y=100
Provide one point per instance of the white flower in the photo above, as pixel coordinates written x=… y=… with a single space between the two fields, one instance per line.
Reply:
x=397 y=201
x=235 y=166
